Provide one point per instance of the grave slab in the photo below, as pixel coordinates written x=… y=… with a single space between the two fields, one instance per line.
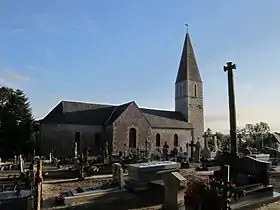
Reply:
x=149 y=171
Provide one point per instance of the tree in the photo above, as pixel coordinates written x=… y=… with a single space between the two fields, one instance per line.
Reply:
x=16 y=122
x=255 y=134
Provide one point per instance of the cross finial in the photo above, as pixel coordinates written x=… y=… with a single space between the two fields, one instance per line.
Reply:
x=230 y=66
x=187 y=27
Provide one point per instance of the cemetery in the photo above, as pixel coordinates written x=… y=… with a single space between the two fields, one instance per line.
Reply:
x=236 y=177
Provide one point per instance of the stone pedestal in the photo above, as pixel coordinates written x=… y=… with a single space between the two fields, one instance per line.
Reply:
x=172 y=183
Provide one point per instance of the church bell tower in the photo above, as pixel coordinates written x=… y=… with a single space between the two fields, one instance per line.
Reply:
x=189 y=90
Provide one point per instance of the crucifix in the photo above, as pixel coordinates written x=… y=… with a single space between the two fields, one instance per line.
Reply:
x=232 y=112
x=192 y=145
x=146 y=148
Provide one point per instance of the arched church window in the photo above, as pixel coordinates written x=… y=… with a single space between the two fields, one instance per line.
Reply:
x=158 y=140
x=132 y=138
x=176 y=142
x=195 y=90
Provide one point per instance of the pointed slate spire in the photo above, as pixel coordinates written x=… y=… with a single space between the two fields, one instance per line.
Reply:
x=188 y=69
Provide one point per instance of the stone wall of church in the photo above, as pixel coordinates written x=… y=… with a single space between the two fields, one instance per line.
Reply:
x=60 y=138
x=131 y=118
x=196 y=110
x=168 y=135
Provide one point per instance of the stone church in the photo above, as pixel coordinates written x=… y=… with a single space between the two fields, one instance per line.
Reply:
x=126 y=127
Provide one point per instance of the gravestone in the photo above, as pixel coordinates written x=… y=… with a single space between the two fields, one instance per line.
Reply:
x=117 y=172
x=197 y=152
x=172 y=183
x=15 y=159
x=180 y=154
x=165 y=151
x=21 y=164
x=50 y=157
x=205 y=153
x=76 y=150
x=215 y=148
x=192 y=146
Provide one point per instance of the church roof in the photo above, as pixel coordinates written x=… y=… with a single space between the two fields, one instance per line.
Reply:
x=70 y=112
x=188 y=68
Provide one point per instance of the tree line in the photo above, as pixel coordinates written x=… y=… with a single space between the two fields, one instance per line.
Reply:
x=253 y=135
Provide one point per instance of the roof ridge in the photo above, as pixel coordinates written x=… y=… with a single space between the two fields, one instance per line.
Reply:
x=116 y=107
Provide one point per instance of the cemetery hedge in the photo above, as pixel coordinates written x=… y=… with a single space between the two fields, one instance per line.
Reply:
x=16 y=123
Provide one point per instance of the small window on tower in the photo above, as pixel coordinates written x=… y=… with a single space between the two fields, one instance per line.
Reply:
x=195 y=90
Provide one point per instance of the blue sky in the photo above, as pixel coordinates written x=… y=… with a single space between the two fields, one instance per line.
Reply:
x=116 y=51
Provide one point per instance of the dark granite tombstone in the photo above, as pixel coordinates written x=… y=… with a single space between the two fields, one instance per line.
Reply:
x=197 y=152
x=165 y=150
x=192 y=146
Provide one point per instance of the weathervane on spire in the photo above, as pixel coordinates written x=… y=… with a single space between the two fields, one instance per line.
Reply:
x=187 y=26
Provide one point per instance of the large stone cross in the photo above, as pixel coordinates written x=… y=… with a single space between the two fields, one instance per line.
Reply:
x=192 y=145
x=232 y=112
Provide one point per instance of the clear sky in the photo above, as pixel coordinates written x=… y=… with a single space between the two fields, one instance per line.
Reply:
x=116 y=51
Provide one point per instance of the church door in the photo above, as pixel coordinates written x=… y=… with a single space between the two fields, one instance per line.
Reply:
x=132 y=138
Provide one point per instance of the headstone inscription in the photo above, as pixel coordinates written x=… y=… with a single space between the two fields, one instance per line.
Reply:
x=187 y=150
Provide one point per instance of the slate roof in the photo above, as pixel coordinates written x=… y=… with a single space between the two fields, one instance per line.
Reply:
x=70 y=112
x=188 y=68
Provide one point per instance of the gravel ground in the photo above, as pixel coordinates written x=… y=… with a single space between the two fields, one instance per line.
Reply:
x=50 y=191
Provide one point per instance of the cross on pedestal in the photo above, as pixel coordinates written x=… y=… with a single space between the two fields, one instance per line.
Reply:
x=232 y=112
x=192 y=145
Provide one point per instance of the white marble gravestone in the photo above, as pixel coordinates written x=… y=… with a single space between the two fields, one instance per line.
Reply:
x=215 y=148
x=21 y=164
x=117 y=172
